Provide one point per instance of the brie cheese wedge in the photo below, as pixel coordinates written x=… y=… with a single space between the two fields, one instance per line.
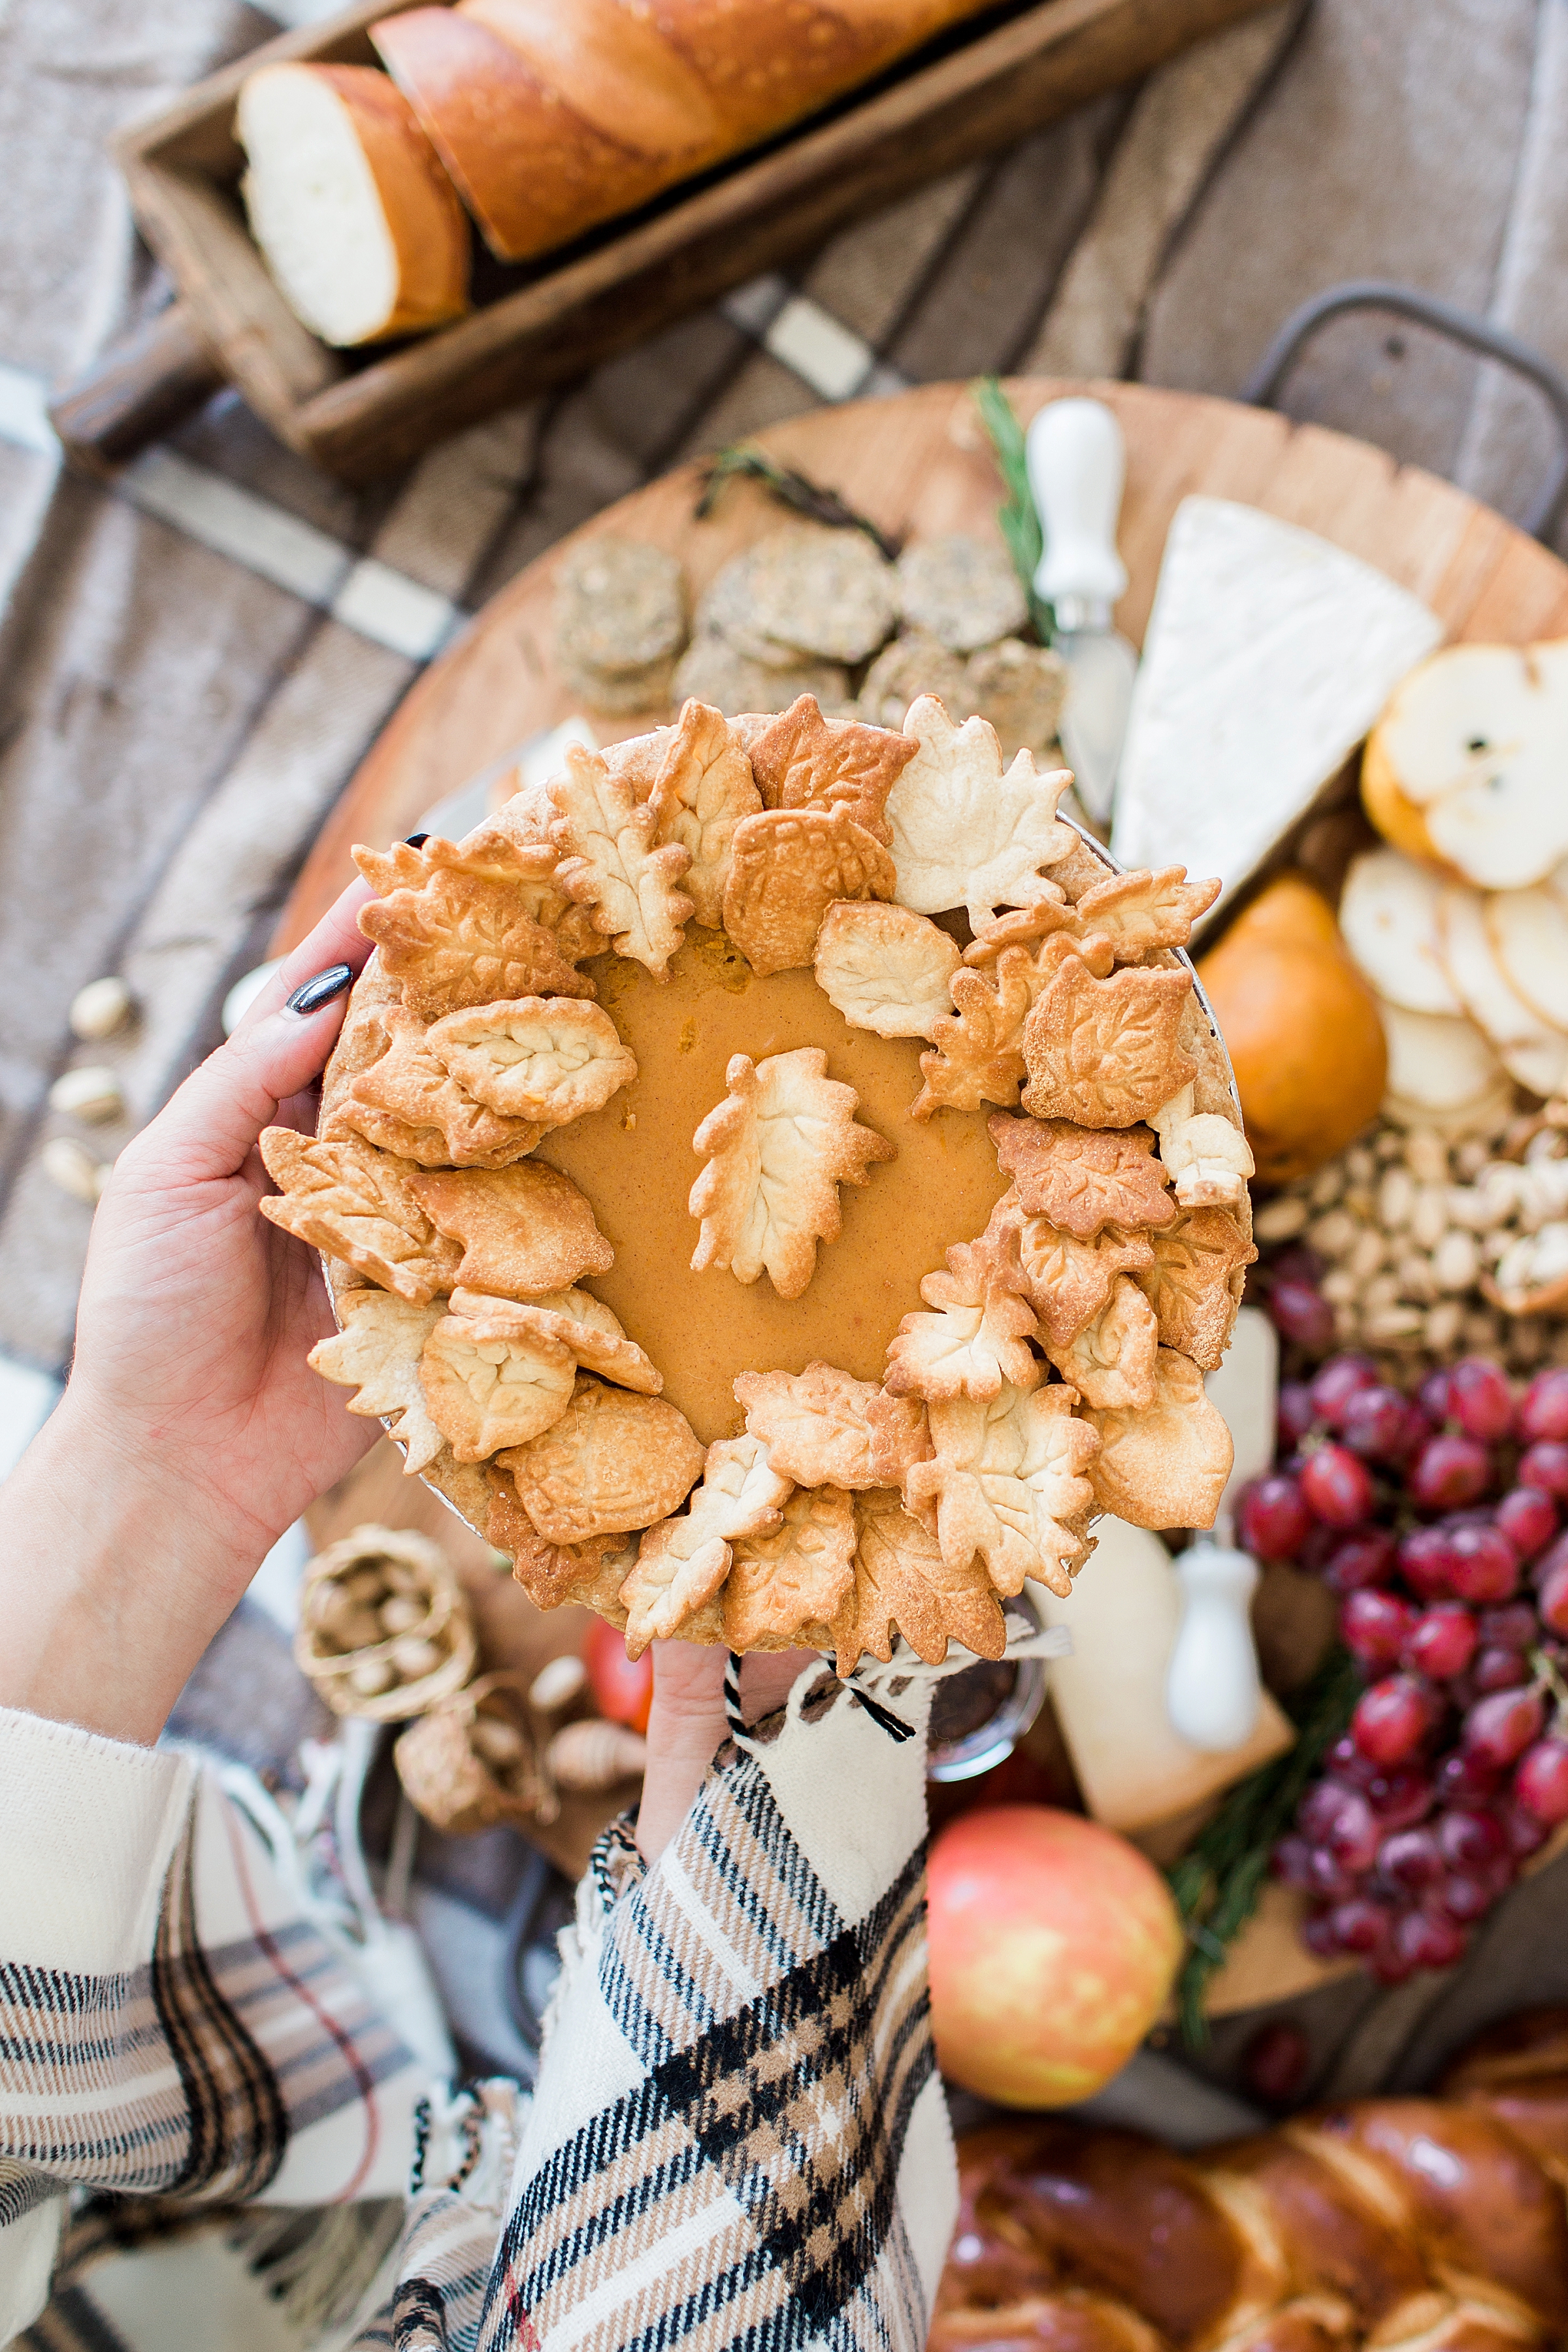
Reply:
x=1269 y=656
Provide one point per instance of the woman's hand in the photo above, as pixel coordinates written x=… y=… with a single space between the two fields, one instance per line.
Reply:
x=193 y=1431
x=687 y=1725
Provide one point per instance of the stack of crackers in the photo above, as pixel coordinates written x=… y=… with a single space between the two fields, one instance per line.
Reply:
x=1056 y=1368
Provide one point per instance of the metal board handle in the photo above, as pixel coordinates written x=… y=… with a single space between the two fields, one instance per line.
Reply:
x=1444 y=318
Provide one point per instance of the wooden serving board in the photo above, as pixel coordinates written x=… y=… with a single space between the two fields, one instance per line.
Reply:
x=918 y=465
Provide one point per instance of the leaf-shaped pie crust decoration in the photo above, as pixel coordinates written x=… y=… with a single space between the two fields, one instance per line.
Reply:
x=899 y=1433
x=669 y=1593
x=549 y=1059
x=1007 y=1481
x=701 y=790
x=1104 y=1052
x=377 y=1352
x=1111 y=1361
x=463 y=939
x=885 y=969
x=801 y=759
x=814 y=1424
x=978 y=1055
x=551 y=1574
x=975 y=1343
x=1142 y=912
x=741 y=1494
x=524 y=1230
x=1194 y=1284
x=1066 y=1281
x=584 y=1325
x=903 y=1583
x=1083 y=1179
x=357 y=1204
x=797 y=1576
x=777 y=1149
x=615 y=1460
x=488 y=1384
x=1165 y=1466
x=789 y=866
x=612 y=861
x=965 y=833
x=1206 y=1154
x=412 y=1101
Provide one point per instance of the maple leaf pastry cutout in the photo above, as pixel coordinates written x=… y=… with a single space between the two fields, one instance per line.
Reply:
x=1103 y=1053
x=410 y=1102
x=979 y=1049
x=682 y=1561
x=885 y=969
x=797 y=1577
x=1206 y=1154
x=489 y=1385
x=815 y=1425
x=377 y=1354
x=543 y=1059
x=788 y=867
x=1196 y=1283
x=977 y=1342
x=612 y=861
x=1165 y=1465
x=615 y=1460
x=520 y=1230
x=777 y=1148
x=966 y=831
x=461 y=939
x=1083 y=1179
x=903 y=1585
x=1006 y=1482
x=1065 y=1281
x=801 y=759
x=357 y=1204
x=1111 y=1361
x=700 y=789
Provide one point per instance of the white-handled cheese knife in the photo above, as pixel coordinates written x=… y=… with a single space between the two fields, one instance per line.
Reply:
x=1213 y=1690
x=1076 y=463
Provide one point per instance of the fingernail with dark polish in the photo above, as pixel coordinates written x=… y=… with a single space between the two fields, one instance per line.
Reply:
x=313 y=994
x=414 y=840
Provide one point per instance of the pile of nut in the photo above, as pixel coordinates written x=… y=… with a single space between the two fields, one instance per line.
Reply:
x=385 y=1630
x=1428 y=1241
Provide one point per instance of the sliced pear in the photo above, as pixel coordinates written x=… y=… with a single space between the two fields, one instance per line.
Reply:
x=1466 y=766
x=1440 y=1062
x=1528 y=930
x=1388 y=919
x=1529 y=1050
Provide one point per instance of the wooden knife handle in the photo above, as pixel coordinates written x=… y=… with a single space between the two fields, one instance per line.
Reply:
x=137 y=393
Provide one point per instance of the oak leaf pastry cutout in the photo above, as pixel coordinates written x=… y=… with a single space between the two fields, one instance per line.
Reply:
x=512 y=846
x=1111 y=1361
x=377 y=1354
x=1066 y=1281
x=966 y=832
x=584 y=1325
x=799 y=1576
x=701 y=788
x=885 y=969
x=1103 y=1053
x=1142 y=912
x=412 y=1102
x=613 y=1462
x=612 y=862
x=814 y=1424
x=777 y=1149
x=548 y=1060
x=975 y=1343
x=978 y=1055
x=1083 y=1179
x=801 y=759
x=522 y=1230
x=903 y=1585
x=1047 y=916
x=1196 y=1283
x=1007 y=1481
x=488 y=1384
x=463 y=939
x=552 y=1574
x=357 y=1204
x=1206 y=1155
x=1166 y=1465
x=788 y=866
x=741 y=1494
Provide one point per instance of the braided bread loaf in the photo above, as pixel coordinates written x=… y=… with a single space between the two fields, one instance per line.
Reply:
x=1409 y=2225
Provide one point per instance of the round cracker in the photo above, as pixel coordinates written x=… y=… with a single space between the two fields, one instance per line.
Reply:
x=962 y=590
x=620 y=605
x=711 y=670
x=823 y=592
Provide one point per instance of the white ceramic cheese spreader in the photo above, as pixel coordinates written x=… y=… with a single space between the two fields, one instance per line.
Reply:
x=1213 y=1689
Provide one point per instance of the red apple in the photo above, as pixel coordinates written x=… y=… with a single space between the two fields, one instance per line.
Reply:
x=622 y=1687
x=1052 y=1946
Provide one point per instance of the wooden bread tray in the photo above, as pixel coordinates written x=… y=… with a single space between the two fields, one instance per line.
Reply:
x=365 y=413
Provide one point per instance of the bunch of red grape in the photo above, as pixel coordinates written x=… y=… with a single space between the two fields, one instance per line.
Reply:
x=1435 y=1519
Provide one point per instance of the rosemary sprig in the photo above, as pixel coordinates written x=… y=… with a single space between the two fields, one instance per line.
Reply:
x=1017 y=518
x=1218 y=1881
x=792 y=488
